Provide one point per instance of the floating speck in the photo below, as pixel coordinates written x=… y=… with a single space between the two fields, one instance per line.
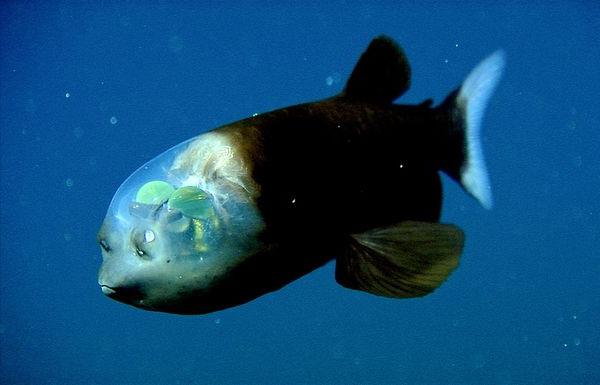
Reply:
x=113 y=120
x=125 y=21
x=218 y=321
x=576 y=341
x=69 y=182
x=332 y=79
x=446 y=61
x=175 y=44
x=31 y=106
x=67 y=95
x=456 y=45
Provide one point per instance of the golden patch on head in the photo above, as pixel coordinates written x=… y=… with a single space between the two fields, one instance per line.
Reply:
x=216 y=160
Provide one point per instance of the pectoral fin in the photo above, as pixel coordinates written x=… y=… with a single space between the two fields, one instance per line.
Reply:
x=410 y=259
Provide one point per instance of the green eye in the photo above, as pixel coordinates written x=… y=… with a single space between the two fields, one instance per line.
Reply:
x=154 y=193
x=192 y=202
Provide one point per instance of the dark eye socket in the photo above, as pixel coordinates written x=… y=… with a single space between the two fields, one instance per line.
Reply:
x=104 y=244
x=141 y=242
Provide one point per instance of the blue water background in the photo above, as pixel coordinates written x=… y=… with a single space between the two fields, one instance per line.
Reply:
x=524 y=306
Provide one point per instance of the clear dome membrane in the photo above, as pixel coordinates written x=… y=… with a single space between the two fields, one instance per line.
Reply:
x=192 y=202
x=157 y=169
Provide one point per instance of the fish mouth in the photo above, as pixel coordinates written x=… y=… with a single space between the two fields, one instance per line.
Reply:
x=130 y=295
x=107 y=290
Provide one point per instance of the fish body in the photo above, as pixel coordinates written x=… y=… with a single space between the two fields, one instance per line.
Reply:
x=246 y=208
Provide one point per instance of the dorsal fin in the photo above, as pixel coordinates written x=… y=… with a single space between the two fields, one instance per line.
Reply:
x=381 y=75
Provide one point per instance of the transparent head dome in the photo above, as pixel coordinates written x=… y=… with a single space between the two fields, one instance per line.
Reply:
x=191 y=208
x=148 y=183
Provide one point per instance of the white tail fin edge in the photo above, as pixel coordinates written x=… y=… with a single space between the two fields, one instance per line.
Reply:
x=473 y=98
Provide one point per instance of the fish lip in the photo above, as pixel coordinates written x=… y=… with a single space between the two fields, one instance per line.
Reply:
x=130 y=295
x=107 y=290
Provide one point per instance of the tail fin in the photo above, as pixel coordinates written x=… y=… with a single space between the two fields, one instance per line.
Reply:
x=466 y=107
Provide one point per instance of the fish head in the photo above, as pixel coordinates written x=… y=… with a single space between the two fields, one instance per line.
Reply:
x=178 y=227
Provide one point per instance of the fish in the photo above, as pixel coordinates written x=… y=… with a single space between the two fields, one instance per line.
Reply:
x=245 y=209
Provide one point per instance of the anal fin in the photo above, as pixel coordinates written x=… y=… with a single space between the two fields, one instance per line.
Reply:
x=410 y=259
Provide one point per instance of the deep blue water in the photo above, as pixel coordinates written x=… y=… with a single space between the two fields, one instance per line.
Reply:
x=524 y=306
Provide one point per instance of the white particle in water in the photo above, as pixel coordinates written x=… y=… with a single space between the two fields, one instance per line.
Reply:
x=113 y=120
x=69 y=182
x=67 y=95
x=332 y=79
